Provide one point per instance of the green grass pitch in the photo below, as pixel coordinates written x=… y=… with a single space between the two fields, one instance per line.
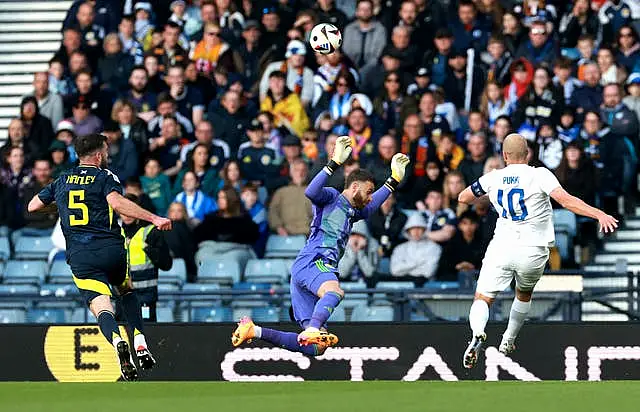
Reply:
x=321 y=396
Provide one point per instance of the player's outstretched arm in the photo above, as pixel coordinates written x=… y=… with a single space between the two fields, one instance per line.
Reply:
x=399 y=164
x=607 y=223
x=316 y=191
x=467 y=196
x=126 y=207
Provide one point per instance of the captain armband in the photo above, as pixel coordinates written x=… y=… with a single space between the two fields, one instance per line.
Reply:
x=477 y=189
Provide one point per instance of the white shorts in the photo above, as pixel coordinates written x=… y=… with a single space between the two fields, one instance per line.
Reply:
x=502 y=263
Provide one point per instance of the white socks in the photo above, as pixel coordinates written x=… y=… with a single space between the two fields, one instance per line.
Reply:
x=478 y=317
x=116 y=340
x=138 y=340
x=257 y=330
x=519 y=311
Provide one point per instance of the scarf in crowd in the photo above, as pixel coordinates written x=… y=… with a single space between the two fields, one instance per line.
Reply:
x=359 y=141
x=297 y=88
x=329 y=73
x=192 y=204
x=207 y=60
x=339 y=105
x=421 y=155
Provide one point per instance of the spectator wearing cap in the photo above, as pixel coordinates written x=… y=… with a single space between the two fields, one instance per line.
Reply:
x=468 y=30
x=212 y=52
x=178 y=8
x=143 y=26
x=169 y=52
x=115 y=66
x=438 y=59
x=251 y=50
x=434 y=124
x=463 y=92
x=421 y=82
x=37 y=128
x=497 y=60
x=589 y=95
x=49 y=104
x=272 y=32
x=230 y=120
x=219 y=151
x=364 y=38
x=360 y=257
x=257 y=158
x=189 y=100
x=542 y=101
x=292 y=152
x=138 y=93
x=632 y=100
x=299 y=78
x=59 y=156
x=290 y=209
x=130 y=45
x=614 y=14
x=418 y=257
x=579 y=20
x=167 y=106
x=84 y=122
x=91 y=33
x=539 y=47
x=65 y=134
x=123 y=158
x=285 y=105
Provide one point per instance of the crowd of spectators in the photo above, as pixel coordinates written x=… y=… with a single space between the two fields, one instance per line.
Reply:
x=218 y=113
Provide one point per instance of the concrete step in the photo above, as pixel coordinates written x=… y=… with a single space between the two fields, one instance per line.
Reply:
x=24 y=68
x=15 y=90
x=604 y=317
x=26 y=58
x=13 y=101
x=21 y=47
x=622 y=246
x=596 y=307
x=34 y=16
x=36 y=6
x=4 y=122
x=603 y=268
x=39 y=27
x=16 y=78
x=628 y=234
x=9 y=112
x=25 y=37
x=611 y=258
x=605 y=282
x=632 y=223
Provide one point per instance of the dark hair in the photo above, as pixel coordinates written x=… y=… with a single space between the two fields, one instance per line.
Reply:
x=133 y=181
x=585 y=36
x=504 y=117
x=468 y=3
x=469 y=214
x=84 y=71
x=224 y=173
x=128 y=17
x=563 y=63
x=234 y=204
x=139 y=67
x=250 y=187
x=165 y=97
x=360 y=175
x=89 y=144
x=135 y=199
x=562 y=171
x=43 y=159
x=634 y=34
x=348 y=77
x=172 y=25
x=191 y=163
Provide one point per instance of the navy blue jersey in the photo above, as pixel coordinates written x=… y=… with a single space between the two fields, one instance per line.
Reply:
x=85 y=216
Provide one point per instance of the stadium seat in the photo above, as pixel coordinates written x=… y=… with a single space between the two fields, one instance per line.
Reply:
x=266 y=271
x=199 y=292
x=395 y=285
x=284 y=246
x=177 y=274
x=82 y=315
x=567 y=219
x=60 y=272
x=5 y=249
x=220 y=271
x=363 y=313
x=9 y=290
x=351 y=297
x=28 y=247
x=211 y=314
x=338 y=315
x=48 y=316
x=251 y=300
x=167 y=288
x=164 y=314
x=563 y=243
x=25 y=271
x=436 y=285
x=13 y=316
x=265 y=314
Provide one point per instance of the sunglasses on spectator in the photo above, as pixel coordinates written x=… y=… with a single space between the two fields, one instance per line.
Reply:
x=538 y=31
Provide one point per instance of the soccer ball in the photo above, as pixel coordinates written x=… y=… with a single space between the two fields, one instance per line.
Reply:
x=325 y=38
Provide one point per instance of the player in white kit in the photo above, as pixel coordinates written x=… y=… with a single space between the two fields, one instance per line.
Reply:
x=520 y=245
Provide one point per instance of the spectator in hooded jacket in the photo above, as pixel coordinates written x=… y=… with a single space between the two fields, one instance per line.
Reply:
x=521 y=77
x=360 y=255
x=419 y=256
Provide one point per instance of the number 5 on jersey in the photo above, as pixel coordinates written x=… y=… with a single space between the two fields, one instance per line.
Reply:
x=513 y=213
x=76 y=197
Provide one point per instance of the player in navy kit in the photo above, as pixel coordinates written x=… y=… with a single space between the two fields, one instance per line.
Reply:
x=315 y=290
x=87 y=196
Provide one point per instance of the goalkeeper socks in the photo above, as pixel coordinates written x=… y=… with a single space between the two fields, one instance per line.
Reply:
x=133 y=313
x=519 y=311
x=109 y=327
x=324 y=308
x=287 y=340
x=478 y=316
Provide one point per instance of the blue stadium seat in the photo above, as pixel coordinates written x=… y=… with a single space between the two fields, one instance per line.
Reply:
x=8 y=290
x=352 y=299
x=284 y=246
x=251 y=300
x=395 y=285
x=436 y=285
x=82 y=316
x=220 y=271
x=563 y=243
x=211 y=314
x=25 y=271
x=164 y=314
x=363 y=313
x=266 y=271
x=59 y=289
x=48 y=316
x=28 y=247
x=338 y=315
x=60 y=272
x=167 y=288
x=5 y=249
x=13 y=316
x=177 y=274
x=265 y=314
x=563 y=218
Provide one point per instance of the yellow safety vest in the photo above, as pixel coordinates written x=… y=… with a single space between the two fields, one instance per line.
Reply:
x=139 y=266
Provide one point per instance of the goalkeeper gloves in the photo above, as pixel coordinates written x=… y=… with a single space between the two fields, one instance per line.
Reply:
x=341 y=153
x=399 y=164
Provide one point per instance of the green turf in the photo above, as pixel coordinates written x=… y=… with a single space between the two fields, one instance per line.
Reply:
x=321 y=396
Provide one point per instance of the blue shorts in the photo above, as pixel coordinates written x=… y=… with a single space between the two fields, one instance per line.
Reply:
x=96 y=270
x=307 y=275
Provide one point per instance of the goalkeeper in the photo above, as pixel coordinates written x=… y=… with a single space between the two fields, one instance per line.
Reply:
x=315 y=290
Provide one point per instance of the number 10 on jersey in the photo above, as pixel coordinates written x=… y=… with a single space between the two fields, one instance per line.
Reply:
x=512 y=213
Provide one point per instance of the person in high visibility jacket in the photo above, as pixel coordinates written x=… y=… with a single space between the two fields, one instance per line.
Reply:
x=147 y=252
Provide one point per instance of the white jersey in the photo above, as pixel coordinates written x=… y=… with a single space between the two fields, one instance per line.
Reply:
x=520 y=195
